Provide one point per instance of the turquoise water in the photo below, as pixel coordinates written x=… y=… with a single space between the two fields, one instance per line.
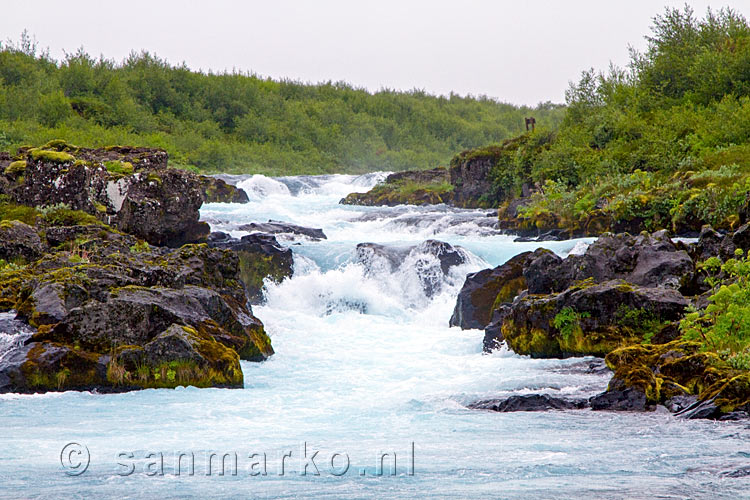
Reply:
x=365 y=365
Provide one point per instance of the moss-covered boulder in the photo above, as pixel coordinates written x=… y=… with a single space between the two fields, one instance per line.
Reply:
x=416 y=187
x=114 y=313
x=588 y=320
x=261 y=258
x=129 y=188
x=681 y=375
x=217 y=190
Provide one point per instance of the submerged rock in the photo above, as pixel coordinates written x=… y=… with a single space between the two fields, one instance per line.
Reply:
x=431 y=260
x=530 y=402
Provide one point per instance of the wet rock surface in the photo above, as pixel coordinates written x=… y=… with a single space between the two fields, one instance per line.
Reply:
x=285 y=228
x=260 y=257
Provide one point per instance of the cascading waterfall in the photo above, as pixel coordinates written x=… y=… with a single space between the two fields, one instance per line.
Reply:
x=366 y=364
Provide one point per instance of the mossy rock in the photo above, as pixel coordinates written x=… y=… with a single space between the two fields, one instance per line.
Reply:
x=49 y=156
x=16 y=169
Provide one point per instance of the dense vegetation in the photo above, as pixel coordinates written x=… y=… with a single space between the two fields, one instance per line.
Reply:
x=663 y=143
x=235 y=122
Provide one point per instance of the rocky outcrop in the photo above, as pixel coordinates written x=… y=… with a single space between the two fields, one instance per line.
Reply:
x=587 y=319
x=485 y=290
x=690 y=381
x=647 y=260
x=260 y=258
x=217 y=190
x=129 y=188
x=622 y=288
x=112 y=313
x=285 y=228
x=414 y=187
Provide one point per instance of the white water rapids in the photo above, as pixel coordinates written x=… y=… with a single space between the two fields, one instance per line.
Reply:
x=365 y=364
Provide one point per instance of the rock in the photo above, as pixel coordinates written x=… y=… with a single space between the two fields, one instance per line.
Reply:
x=469 y=174
x=587 y=319
x=545 y=272
x=278 y=227
x=741 y=237
x=19 y=242
x=431 y=260
x=744 y=213
x=217 y=190
x=530 y=402
x=619 y=400
x=260 y=257
x=122 y=315
x=708 y=244
x=129 y=188
x=162 y=208
x=423 y=187
x=484 y=290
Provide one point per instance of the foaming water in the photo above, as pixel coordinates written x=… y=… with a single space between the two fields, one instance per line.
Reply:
x=365 y=364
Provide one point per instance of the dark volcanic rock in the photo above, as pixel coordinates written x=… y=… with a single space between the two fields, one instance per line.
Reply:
x=431 y=260
x=260 y=257
x=129 y=188
x=484 y=290
x=595 y=320
x=625 y=400
x=470 y=178
x=162 y=209
x=217 y=190
x=644 y=260
x=120 y=315
x=278 y=227
x=19 y=241
x=530 y=402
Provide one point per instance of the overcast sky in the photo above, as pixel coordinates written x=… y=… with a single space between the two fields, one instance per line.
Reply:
x=522 y=52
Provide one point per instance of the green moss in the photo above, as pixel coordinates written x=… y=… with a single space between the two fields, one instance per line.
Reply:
x=62 y=215
x=51 y=156
x=23 y=213
x=16 y=168
x=119 y=167
x=153 y=177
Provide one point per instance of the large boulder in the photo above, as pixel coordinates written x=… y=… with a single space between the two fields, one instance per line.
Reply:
x=129 y=188
x=648 y=260
x=485 y=290
x=587 y=319
x=19 y=241
x=112 y=313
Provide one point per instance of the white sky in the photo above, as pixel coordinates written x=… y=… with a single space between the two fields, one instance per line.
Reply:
x=517 y=51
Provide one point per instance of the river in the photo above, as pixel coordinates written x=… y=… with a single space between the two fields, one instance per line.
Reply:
x=365 y=368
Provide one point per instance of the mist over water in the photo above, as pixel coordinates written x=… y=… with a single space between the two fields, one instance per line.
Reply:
x=366 y=364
